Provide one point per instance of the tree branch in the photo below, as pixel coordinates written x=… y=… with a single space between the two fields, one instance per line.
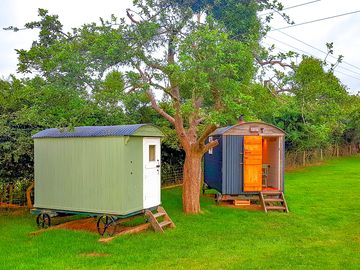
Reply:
x=210 y=145
x=209 y=129
x=157 y=108
x=131 y=17
x=272 y=62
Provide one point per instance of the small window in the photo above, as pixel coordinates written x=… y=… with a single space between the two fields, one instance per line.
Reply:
x=152 y=152
x=210 y=150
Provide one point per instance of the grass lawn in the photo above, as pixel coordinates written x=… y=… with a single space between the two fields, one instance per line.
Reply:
x=322 y=231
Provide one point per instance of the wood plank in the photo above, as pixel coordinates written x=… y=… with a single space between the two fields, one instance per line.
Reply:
x=241 y=202
x=136 y=229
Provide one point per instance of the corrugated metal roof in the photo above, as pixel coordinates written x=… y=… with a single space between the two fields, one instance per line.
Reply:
x=89 y=131
x=220 y=131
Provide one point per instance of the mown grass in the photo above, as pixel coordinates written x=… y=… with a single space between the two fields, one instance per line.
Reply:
x=322 y=231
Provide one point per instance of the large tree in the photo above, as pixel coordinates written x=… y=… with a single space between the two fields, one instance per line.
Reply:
x=201 y=66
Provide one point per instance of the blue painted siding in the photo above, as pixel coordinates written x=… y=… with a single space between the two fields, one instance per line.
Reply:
x=233 y=164
x=213 y=166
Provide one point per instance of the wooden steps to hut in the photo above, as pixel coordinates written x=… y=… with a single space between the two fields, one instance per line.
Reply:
x=273 y=201
x=159 y=220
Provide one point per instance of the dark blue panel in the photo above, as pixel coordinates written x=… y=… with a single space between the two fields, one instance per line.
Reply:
x=213 y=166
x=90 y=131
x=233 y=164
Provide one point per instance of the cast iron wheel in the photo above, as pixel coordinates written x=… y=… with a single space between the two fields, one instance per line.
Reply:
x=218 y=198
x=106 y=225
x=43 y=221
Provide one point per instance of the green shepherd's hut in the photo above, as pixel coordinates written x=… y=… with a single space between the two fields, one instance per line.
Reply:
x=112 y=170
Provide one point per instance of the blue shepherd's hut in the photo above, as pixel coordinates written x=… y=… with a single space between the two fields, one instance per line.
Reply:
x=249 y=160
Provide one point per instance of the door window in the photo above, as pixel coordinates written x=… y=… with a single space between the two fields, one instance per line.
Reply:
x=152 y=152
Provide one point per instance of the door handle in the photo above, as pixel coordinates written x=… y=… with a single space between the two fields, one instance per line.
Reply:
x=157 y=166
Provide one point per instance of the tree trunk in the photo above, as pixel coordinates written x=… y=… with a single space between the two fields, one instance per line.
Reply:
x=192 y=182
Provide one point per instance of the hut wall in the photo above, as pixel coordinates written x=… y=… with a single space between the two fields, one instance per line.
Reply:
x=232 y=164
x=213 y=165
x=93 y=174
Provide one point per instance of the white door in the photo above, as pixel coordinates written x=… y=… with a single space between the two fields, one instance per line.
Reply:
x=152 y=162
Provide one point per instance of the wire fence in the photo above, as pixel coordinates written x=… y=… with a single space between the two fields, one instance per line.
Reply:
x=294 y=159
x=14 y=193
x=171 y=174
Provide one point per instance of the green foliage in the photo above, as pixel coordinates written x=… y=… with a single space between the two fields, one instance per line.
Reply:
x=28 y=106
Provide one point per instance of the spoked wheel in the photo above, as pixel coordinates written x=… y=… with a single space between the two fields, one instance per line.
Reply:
x=106 y=225
x=43 y=221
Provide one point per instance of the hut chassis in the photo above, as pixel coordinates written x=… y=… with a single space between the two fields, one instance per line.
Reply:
x=106 y=223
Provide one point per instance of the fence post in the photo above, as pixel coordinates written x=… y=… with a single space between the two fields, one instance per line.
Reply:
x=304 y=158
x=321 y=154
x=11 y=191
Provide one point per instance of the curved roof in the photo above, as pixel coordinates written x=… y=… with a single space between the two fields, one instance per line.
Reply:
x=95 y=131
x=223 y=130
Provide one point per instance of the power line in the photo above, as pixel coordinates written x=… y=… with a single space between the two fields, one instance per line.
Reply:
x=300 y=50
x=307 y=44
x=337 y=71
x=346 y=74
x=295 y=6
x=317 y=20
x=315 y=56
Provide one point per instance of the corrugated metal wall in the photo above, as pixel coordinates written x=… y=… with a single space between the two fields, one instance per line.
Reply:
x=233 y=164
x=213 y=166
x=98 y=174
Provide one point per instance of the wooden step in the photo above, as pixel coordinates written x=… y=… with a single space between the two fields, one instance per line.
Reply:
x=158 y=226
x=281 y=199
x=275 y=207
x=159 y=214
x=165 y=223
x=273 y=200
x=266 y=193
x=241 y=202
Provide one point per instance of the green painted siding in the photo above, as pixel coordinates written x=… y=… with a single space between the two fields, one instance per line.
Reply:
x=98 y=174
x=148 y=131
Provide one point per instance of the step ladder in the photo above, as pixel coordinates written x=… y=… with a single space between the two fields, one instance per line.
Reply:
x=273 y=201
x=159 y=220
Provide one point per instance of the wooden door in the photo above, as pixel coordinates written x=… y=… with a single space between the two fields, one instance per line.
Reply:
x=152 y=182
x=252 y=163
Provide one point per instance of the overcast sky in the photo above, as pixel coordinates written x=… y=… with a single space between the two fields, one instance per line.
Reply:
x=343 y=31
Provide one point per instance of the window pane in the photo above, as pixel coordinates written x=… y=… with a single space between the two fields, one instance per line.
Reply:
x=151 y=152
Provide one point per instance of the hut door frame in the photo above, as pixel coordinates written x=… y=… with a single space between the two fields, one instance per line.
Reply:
x=152 y=172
